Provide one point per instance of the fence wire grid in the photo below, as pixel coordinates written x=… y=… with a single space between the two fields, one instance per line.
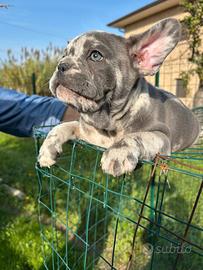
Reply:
x=151 y=219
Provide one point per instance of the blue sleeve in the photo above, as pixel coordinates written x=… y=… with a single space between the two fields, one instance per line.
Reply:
x=20 y=112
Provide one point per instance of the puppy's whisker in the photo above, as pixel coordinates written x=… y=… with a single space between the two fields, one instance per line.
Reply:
x=45 y=84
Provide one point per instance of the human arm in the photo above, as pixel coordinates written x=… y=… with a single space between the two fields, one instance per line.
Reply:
x=19 y=113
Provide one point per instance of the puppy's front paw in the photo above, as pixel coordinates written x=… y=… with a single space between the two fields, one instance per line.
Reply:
x=117 y=161
x=45 y=161
x=48 y=153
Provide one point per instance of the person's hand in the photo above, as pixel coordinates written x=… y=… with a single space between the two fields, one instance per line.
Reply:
x=70 y=114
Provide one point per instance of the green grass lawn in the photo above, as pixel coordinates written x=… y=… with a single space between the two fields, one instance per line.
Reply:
x=20 y=243
x=19 y=231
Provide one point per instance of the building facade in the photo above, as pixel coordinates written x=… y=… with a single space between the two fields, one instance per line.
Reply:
x=173 y=72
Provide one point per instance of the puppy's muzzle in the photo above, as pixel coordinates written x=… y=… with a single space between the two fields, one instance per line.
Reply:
x=62 y=67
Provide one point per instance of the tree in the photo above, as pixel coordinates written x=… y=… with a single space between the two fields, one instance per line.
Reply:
x=193 y=23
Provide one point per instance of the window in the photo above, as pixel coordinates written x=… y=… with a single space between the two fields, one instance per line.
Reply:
x=181 y=90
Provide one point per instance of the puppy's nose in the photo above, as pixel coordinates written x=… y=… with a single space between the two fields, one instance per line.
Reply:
x=62 y=67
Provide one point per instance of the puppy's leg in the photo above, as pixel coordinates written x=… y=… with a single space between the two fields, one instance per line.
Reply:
x=122 y=157
x=54 y=141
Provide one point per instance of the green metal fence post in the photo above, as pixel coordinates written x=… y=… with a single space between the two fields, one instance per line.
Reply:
x=153 y=182
x=33 y=83
x=157 y=79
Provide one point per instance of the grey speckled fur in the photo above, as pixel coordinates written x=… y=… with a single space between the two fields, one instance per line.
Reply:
x=119 y=109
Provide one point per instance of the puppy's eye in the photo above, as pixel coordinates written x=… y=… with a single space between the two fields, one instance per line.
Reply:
x=96 y=56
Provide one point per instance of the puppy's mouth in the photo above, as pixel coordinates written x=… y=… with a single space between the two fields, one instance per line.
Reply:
x=79 y=101
x=65 y=93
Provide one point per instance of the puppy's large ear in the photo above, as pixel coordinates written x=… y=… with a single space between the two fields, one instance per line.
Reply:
x=149 y=49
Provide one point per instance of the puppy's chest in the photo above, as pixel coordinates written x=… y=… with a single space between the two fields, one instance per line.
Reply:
x=99 y=137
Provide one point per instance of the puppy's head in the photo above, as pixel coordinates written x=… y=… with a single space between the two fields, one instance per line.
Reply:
x=99 y=67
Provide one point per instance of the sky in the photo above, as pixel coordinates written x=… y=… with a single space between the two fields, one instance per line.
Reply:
x=36 y=23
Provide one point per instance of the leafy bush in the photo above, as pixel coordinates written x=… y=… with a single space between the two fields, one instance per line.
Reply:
x=16 y=73
x=193 y=23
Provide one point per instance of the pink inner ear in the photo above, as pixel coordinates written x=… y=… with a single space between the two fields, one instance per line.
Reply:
x=151 y=53
x=144 y=59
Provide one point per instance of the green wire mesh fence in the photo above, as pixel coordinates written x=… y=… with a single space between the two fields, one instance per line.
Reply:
x=151 y=219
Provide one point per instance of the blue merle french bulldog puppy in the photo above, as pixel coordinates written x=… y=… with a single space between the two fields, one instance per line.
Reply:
x=102 y=75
